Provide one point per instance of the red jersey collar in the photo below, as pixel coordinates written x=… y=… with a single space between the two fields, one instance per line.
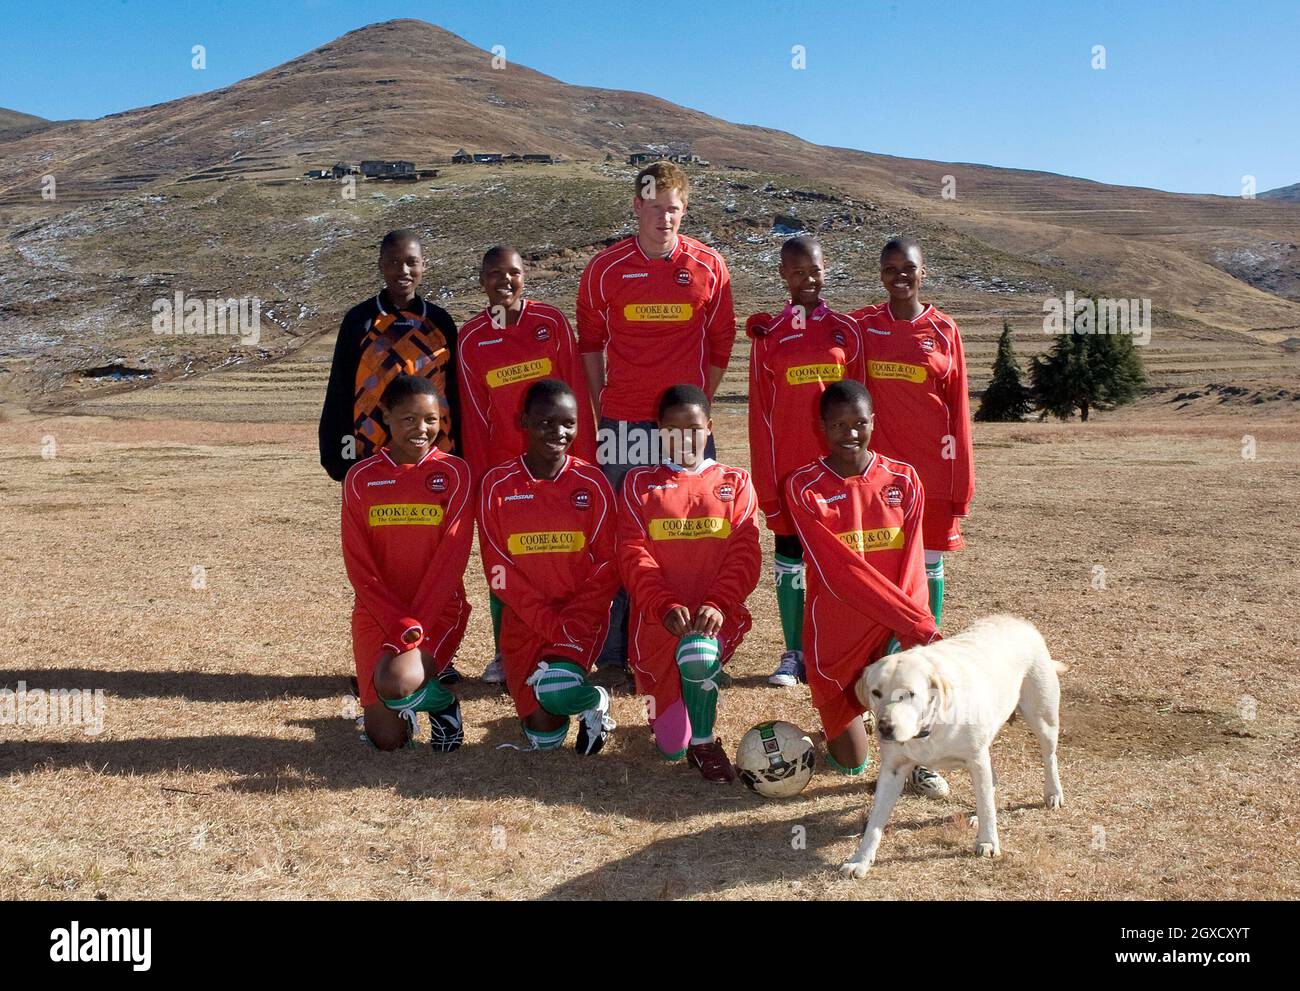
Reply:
x=819 y=311
x=929 y=308
x=486 y=313
x=865 y=471
x=568 y=460
x=427 y=455
x=699 y=469
x=671 y=256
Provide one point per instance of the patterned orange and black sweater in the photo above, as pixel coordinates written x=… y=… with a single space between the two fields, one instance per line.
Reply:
x=377 y=342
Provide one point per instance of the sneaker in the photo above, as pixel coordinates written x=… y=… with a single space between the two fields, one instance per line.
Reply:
x=927 y=783
x=412 y=727
x=594 y=726
x=449 y=675
x=447 y=729
x=790 y=671
x=495 y=672
x=724 y=680
x=713 y=762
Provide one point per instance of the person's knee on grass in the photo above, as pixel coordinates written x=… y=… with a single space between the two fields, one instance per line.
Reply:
x=386 y=729
x=407 y=683
x=563 y=690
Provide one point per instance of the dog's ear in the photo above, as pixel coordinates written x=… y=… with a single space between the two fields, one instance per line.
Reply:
x=872 y=672
x=940 y=686
x=862 y=688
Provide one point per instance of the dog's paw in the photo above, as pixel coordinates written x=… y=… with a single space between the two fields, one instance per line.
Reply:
x=987 y=850
x=855 y=869
x=973 y=821
x=1054 y=800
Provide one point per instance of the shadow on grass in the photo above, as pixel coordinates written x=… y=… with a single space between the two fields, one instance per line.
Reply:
x=789 y=845
x=201 y=686
x=627 y=778
x=731 y=848
x=197 y=686
x=729 y=855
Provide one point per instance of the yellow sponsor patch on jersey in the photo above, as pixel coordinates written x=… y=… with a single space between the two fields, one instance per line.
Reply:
x=813 y=374
x=886 y=538
x=522 y=372
x=690 y=529
x=658 y=312
x=896 y=370
x=547 y=542
x=407 y=514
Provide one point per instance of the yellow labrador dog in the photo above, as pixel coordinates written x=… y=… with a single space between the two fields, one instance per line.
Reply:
x=941 y=706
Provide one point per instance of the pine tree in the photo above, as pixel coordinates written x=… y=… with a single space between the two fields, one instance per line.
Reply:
x=1006 y=399
x=1084 y=370
x=1117 y=372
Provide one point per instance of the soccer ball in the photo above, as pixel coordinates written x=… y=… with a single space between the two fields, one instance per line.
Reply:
x=776 y=759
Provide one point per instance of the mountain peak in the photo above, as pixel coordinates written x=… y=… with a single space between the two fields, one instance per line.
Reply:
x=402 y=33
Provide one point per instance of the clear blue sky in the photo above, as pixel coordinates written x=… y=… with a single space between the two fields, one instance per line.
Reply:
x=1194 y=95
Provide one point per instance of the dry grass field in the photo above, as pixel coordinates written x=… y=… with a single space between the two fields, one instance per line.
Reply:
x=227 y=766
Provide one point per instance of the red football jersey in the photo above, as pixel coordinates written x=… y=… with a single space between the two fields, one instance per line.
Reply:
x=407 y=531
x=866 y=569
x=790 y=366
x=684 y=539
x=548 y=554
x=498 y=364
x=660 y=322
x=916 y=371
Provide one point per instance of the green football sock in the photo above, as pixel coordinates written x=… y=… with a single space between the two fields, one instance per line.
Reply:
x=934 y=578
x=547 y=740
x=562 y=688
x=699 y=664
x=837 y=766
x=789 y=599
x=429 y=697
x=494 y=609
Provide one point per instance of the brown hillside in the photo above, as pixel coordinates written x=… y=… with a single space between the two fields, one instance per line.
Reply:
x=146 y=205
x=13 y=119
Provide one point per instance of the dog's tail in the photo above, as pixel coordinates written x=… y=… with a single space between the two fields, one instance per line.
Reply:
x=1058 y=666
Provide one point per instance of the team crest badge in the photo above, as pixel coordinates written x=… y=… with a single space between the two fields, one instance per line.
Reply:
x=683 y=277
x=893 y=495
x=581 y=499
x=543 y=334
x=838 y=338
x=927 y=344
x=437 y=482
x=725 y=492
